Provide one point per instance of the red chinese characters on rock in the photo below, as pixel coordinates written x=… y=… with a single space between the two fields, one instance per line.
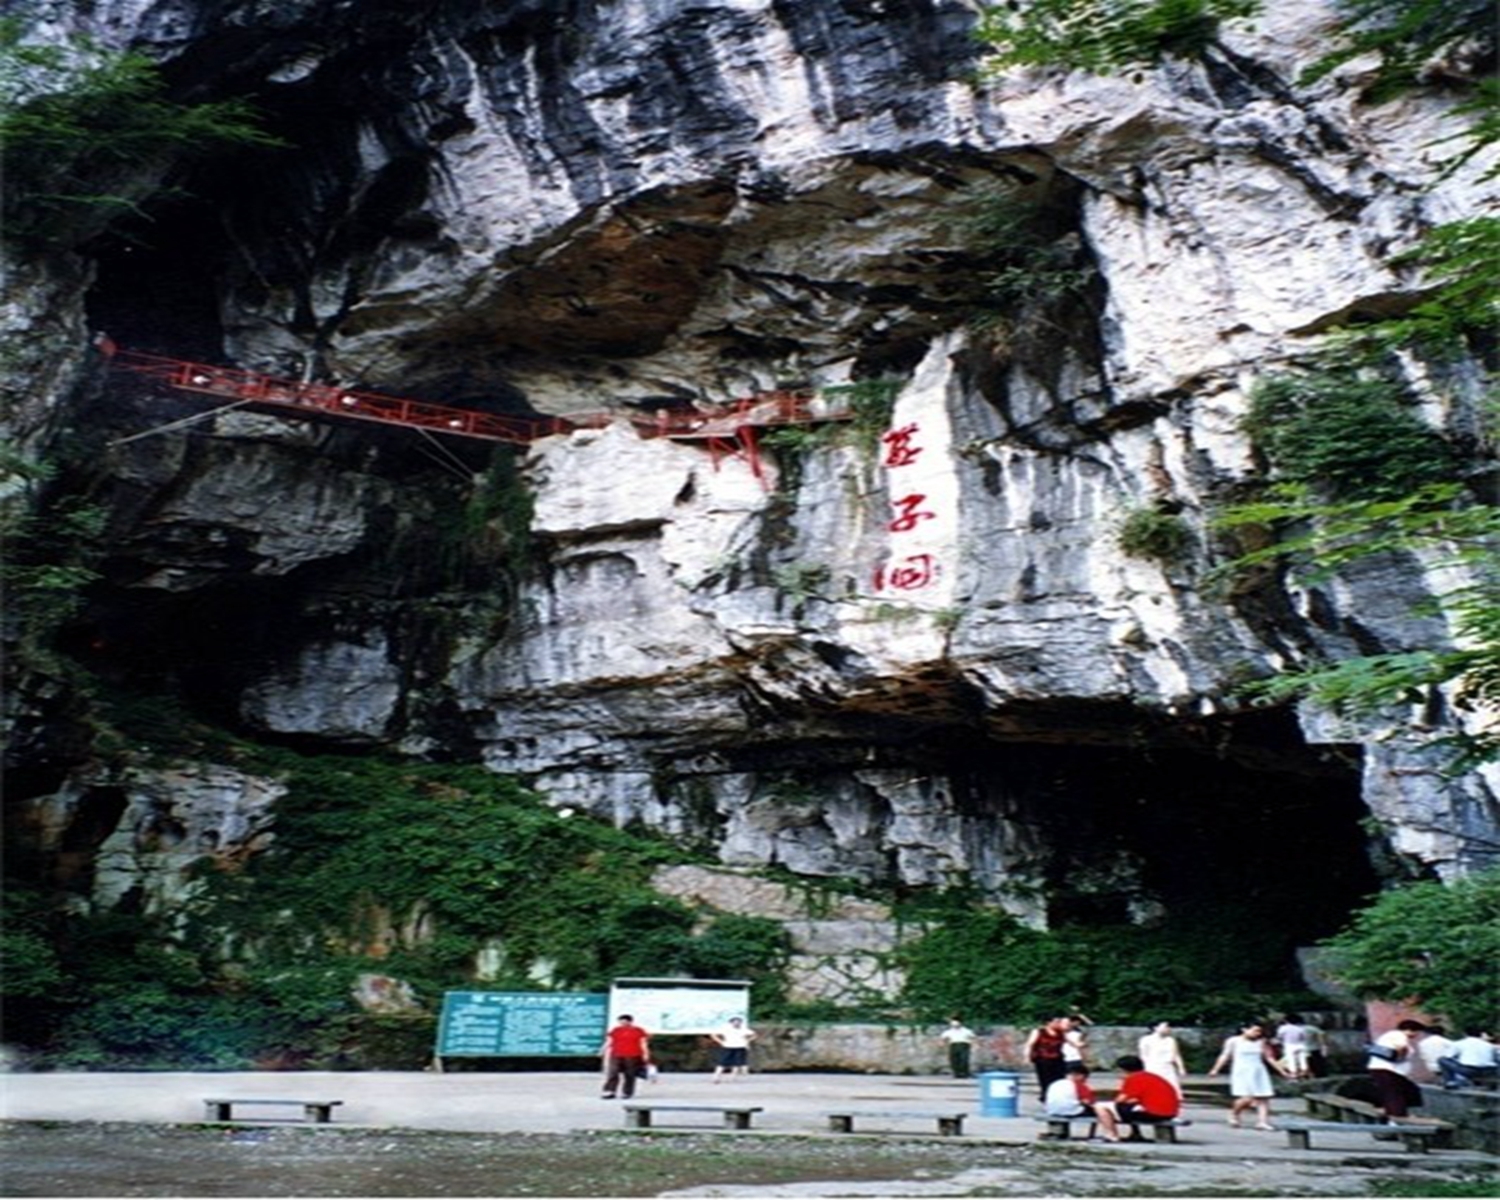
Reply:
x=908 y=513
x=899 y=451
x=909 y=574
x=914 y=571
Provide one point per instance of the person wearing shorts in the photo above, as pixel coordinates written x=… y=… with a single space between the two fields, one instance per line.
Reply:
x=734 y=1048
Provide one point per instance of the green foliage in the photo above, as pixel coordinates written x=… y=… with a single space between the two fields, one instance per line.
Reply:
x=869 y=401
x=1482 y=110
x=1367 y=478
x=1158 y=536
x=1407 y=34
x=467 y=853
x=980 y=961
x=1346 y=435
x=1481 y=1187
x=1433 y=943
x=29 y=965
x=742 y=947
x=1034 y=260
x=1102 y=36
x=1432 y=521
x=401 y=869
x=1459 y=296
x=872 y=401
x=495 y=522
x=52 y=547
x=87 y=134
x=802 y=581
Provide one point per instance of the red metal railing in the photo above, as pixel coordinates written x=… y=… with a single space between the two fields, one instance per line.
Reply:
x=255 y=388
x=728 y=429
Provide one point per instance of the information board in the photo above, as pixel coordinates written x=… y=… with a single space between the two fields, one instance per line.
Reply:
x=517 y=1024
x=680 y=1005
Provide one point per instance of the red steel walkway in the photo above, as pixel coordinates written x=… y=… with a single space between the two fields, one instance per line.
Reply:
x=728 y=429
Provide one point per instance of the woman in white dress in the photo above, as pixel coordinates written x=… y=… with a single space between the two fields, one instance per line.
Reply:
x=1161 y=1054
x=1251 y=1060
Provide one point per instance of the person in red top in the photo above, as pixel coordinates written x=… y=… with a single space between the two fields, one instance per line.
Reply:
x=1044 y=1048
x=1143 y=1098
x=626 y=1051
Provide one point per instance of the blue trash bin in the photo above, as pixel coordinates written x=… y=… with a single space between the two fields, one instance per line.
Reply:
x=999 y=1094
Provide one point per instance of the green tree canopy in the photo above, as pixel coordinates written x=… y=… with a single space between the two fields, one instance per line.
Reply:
x=1433 y=944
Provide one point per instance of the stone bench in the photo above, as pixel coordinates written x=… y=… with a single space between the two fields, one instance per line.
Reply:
x=1162 y=1131
x=949 y=1123
x=1343 y=1108
x=1416 y=1138
x=316 y=1112
x=638 y=1116
x=1061 y=1127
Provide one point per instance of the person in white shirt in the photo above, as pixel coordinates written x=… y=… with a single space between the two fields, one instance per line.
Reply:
x=1435 y=1045
x=1071 y=1096
x=1389 y=1066
x=1473 y=1059
x=734 y=1048
x=960 y=1039
x=1075 y=1041
x=1291 y=1034
x=1158 y=1049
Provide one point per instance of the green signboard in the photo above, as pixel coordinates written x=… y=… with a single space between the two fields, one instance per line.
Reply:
x=504 y=1024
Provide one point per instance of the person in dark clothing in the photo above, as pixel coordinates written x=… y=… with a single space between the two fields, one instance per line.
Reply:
x=1044 y=1050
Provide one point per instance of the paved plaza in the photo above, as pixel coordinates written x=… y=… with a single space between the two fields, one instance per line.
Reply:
x=566 y=1102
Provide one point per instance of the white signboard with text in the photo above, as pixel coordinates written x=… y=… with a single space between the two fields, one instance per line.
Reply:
x=669 y=1006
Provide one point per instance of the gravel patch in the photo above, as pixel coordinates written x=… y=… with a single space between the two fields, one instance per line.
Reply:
x=117 y=1159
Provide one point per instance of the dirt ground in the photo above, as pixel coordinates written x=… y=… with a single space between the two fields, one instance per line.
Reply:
x=107 y=1159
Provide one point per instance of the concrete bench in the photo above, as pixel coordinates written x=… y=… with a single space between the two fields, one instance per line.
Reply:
x=1061 y=1127
x=1162 y=1131
x=1416 y=1138
x=1343 y=1108
x=949 y=1123
x=316 y=1112
x=638 y=1116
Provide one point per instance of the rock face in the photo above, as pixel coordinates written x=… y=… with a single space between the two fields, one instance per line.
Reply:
x=914 y=654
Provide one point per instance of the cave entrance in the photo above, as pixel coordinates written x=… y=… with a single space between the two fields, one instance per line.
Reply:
x=1101 y=815
x=1136 y=834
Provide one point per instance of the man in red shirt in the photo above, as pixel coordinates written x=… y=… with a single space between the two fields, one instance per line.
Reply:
x=626 y=1051
x=1142 y=1098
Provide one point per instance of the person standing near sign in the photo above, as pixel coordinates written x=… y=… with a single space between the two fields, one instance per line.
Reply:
x=626 y=1052
x=734 y=1048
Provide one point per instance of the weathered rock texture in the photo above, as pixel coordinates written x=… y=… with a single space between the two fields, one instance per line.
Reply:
x=912 y=659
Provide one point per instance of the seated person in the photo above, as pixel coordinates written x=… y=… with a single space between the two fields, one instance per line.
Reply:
x=1071 y=1096
x=1142 y=1098
x=1470 y=1060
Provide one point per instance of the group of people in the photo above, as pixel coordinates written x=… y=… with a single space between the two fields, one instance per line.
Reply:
x=1394 y=1055
x=1151 y=1086
x=1252 y=1057
x=626 y=1054
x=1142 y=1097
x=1058 y=1045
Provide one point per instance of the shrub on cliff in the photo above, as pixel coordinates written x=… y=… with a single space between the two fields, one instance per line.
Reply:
x=87 y=134
x=1433 y=944
x=1104 y=35
x=1212 y=967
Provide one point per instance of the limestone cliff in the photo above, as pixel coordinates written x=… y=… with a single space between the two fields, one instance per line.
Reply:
x=913 y=655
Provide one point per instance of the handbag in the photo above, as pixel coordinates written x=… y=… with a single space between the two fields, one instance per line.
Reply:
x=1386 y=1053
